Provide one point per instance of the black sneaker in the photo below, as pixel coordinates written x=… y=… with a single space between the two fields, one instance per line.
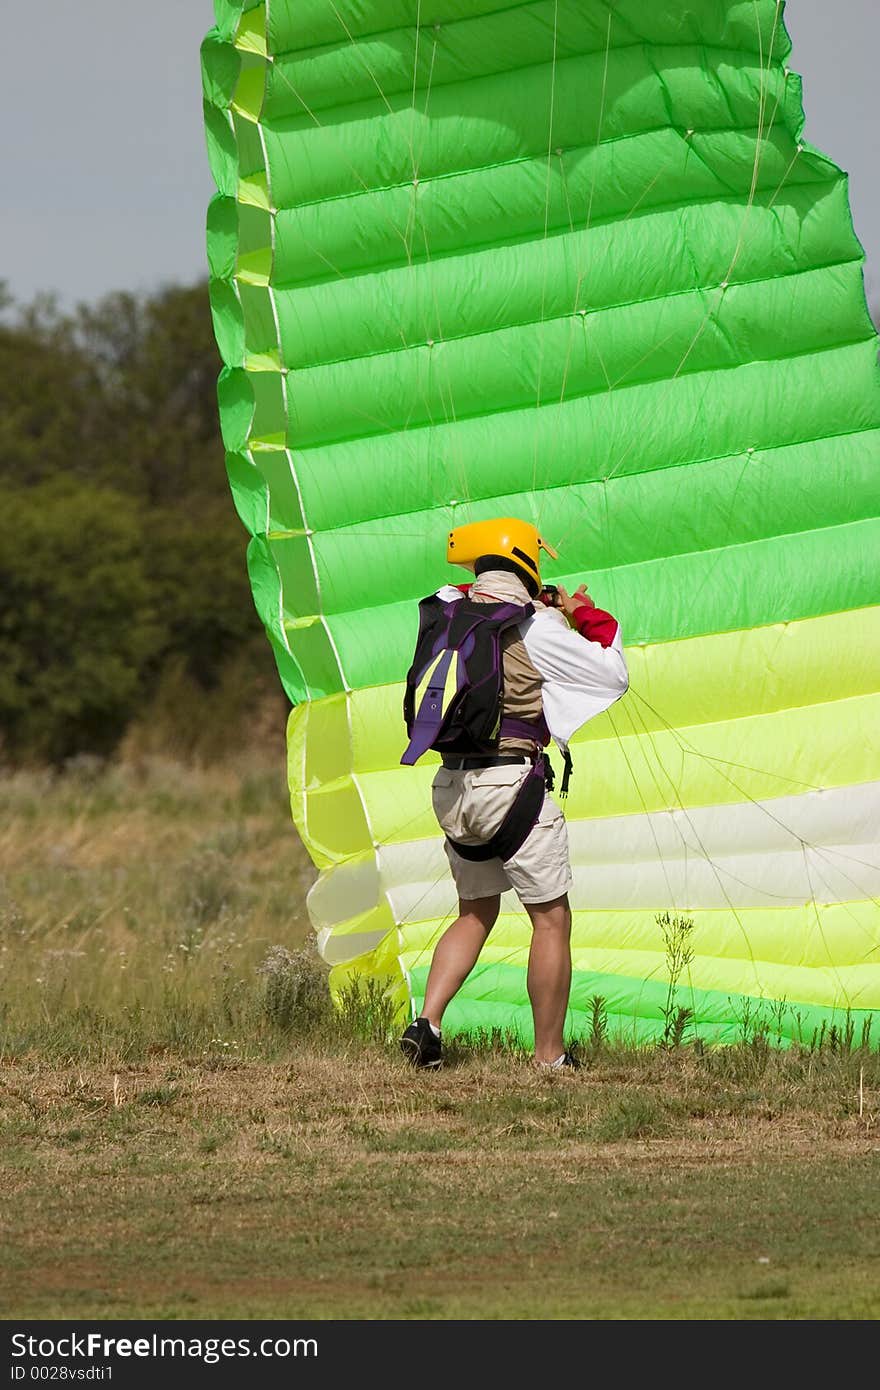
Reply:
x=568 y=1062
x=421 y=1046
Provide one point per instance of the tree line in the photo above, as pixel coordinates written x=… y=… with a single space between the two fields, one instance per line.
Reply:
x=124 y=597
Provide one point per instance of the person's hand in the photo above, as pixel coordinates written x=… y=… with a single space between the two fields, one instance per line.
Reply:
x=569 y=602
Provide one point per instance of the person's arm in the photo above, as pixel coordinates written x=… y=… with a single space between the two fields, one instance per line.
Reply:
x=588 y=657
x=577 y=649
x=595 y=624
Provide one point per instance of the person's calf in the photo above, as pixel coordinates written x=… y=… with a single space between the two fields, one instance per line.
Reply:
x=457 y=953
x=549 y=975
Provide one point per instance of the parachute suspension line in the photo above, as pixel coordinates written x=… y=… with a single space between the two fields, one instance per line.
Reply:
x=365 y=187
x=662 y=795
x=822 y=850
x=772 y=121
x=428 y=946
x=458 y=460
x=407 y=234
x=623 y=458
x=606 y=522
x=830 y=850
x=645 y=733
x=404 y=235
x=600 y=122
x=644 y=804
x=440 y=927
x=577 y=312
x=361 y=414
x=415 y=66
x=712 y=758
x=821 y=929
x=544 y=241
x=762 y=130
x=411 y=215
x=687 y=748
x=867 y=897
x=578 y=322
x=448 y=917
x=369 y=71
x=819 y=849
x=523 y=916
x=412 y=220
x=345 y=159
x=737 y=252
x=508 y=956
x=582 y=274
x=720 y=290
x=784 y=180
x=582 y=312
x=756 y=166
x=715 y=870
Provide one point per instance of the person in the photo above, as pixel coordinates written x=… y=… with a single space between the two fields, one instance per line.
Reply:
x=562 y=664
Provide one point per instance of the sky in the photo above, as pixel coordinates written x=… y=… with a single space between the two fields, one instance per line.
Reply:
x=106 y=177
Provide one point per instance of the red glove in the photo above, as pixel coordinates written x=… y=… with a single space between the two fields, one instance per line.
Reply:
x=595 y=624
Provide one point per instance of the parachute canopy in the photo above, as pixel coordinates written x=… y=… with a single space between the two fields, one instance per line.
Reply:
x=572 y=262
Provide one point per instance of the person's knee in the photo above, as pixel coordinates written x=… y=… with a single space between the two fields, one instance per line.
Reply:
x=482 y=910
x=554 y=916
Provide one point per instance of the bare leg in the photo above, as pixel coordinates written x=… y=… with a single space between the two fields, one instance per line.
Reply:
x=549 y=977
x=456 y=953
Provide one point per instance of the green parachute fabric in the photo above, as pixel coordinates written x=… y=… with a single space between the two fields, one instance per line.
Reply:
x=569 y=260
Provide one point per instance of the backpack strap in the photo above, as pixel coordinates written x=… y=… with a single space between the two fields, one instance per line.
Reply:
x=429 y=715
x=517 y=825
x=455 y=627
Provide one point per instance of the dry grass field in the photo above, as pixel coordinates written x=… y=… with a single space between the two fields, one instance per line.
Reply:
x=184 y=1134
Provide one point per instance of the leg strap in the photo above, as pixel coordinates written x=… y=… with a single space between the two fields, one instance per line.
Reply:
x=517 y=825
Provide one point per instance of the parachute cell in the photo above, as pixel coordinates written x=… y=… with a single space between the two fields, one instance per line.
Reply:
x=574 y=263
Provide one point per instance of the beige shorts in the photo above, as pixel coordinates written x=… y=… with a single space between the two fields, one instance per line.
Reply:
x=470 y=805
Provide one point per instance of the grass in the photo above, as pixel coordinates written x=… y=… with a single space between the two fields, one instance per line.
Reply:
x=135 y=900
x=327 y=1184
x=188 y=1131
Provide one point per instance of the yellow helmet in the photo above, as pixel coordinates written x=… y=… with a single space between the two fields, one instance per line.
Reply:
x=518 y=542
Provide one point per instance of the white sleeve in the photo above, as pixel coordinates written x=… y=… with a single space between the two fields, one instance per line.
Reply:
x=581 y=678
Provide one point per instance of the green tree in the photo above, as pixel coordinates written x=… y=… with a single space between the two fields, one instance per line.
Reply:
x=77 y=628
x=48 y=396
x=156 y=364
x=123 y=563
x=195 y=563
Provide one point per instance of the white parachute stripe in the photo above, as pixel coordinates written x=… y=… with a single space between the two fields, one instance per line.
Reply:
x=821 y=846
x=337 y=949
x=838 y=816
x=740 y=881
